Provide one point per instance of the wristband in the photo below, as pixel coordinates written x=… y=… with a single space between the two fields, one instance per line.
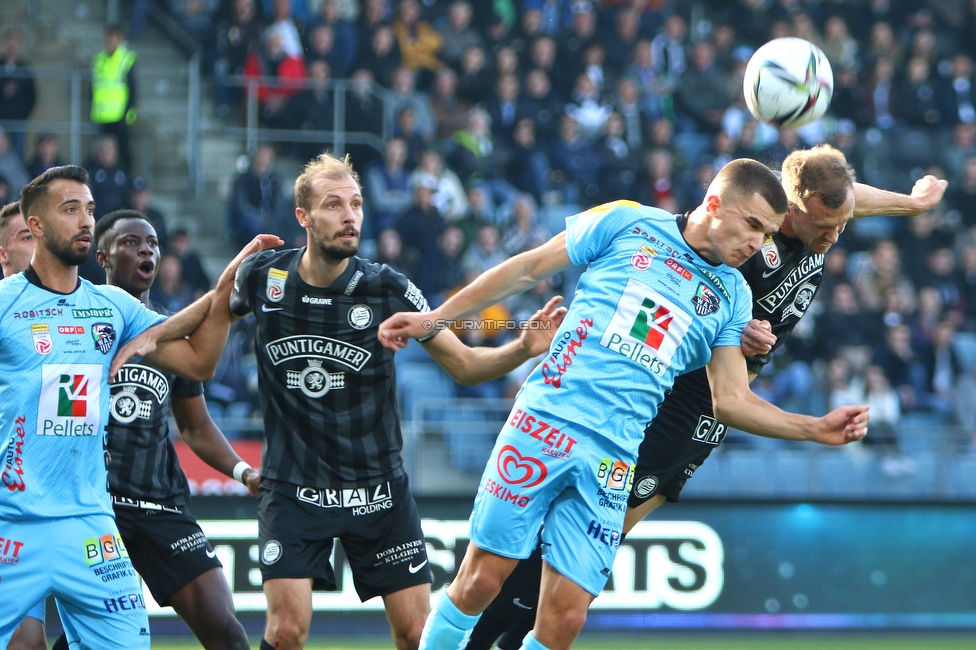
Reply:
x=239 y=471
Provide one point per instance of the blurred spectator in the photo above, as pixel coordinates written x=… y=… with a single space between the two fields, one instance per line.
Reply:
x=475 y=80
x=529 y=166
x=284 y=24
x=405 y=127
x=113 y=89
x=542 y=104
x=968 y=285
x=168 y=290
x=364 y=113
x=850 y=100
x=382 y=58
x=479 y=159
x=542 y=56
x=669 y=49
x=256 y=201
x=389 y=250
x=881 y=89
x=507 y=61
x=345 y=50
x=17 y=89
x=587 y=108
x=375 y=15
x=449 y=197
x=46 y=155
x=194 y=275
x=843 y=323
x=237 y=36
x=11 y=166
x=575 y=163
x=197 y=18
x=443 y=273
x=621 y=163
x=903 y=367
x=657 y=185
x=885 y=414
x=963 y=146
x=627 y=104
x=420 y=43
x=457 y=33
x=322 y=47
x=625 y=36
x=387 y=187
x=703 y=93
x=140 y=199
x=5 y=194
x=655 y=93
x=525 y=233
x=878 y=273
x=449 y=110
x=108 y=179
x=917 y=98
x=405 y=94
x=961 y=196
x=312 y=109
x=506 y=106
x=580 y=35
x=271 y=60
x=883 y=45
x=940 y=274
x=484 y=252
x=419 y=228
x=959 y=95
x=594 y=59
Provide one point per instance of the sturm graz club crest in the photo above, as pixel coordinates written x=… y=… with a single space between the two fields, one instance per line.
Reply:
x=104 y=335
x=126 y=406
x=315 y=381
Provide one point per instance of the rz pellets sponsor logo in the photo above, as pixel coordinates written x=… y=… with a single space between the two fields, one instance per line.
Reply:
x=69 y=400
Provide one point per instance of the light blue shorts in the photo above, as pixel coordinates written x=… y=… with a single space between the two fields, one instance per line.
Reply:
x=544 y=470
x=38 y=611
x=84 y=564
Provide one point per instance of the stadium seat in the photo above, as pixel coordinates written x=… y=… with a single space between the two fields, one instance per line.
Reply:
x=960 y=479
x=916 y=478
x=790 y=469
x=747 y=473
x=843 y=473
x=710 y=479
x=417 y=380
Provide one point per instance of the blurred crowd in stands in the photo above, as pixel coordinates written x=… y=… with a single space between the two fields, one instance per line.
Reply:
x=509 y=115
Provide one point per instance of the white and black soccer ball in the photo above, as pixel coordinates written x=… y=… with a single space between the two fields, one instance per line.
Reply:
x=788 y=83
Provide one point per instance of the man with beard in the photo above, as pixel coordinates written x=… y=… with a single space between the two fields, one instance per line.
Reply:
x=56 y=335
x=331 y=465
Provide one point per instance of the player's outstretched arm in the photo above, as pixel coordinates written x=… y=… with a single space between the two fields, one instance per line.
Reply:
x=470 y=366
x=165 y=345
x=207 y=441
x=514 y=275
x=736 y=405
x=870 y=201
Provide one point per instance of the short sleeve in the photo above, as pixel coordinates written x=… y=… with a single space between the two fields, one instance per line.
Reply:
x=404 y=294
x=240 y=296
x=731 y=334
x=589 y=233
x=136 y=317
x=186 y=388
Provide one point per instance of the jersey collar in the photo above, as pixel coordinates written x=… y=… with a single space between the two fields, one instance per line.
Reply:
x=35 y=279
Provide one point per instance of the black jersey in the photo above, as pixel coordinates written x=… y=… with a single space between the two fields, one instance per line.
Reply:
x=784 y=277
x=143 y=463
x=328 y=388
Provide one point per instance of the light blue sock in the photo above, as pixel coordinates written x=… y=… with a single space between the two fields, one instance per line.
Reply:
x=447 y=627
x=529 y=643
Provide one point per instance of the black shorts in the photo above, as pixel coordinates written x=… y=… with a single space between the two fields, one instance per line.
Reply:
x=165 y=544
x=378 y=525
x=679 y=439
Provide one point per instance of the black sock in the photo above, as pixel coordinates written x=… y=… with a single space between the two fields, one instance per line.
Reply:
x=265 y=645
x=61 y=643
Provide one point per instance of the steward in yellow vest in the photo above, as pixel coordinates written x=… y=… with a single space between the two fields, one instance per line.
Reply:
x=112 y=88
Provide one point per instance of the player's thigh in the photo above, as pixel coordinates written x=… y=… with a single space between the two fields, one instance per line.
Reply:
x=29 y=564
x=98 y=592
x=635 y=515
x=167 y=548
x=407 y=610
x=519 y=483
x=29 y=635
x=205 y=602
x=584 y=526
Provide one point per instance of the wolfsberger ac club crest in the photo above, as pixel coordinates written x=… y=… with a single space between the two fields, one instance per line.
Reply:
x=104 y=335
x=315 y=381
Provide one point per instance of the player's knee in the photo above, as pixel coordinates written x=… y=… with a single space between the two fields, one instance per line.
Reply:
x=475 y=593
x=408 y=637
x=287 y=633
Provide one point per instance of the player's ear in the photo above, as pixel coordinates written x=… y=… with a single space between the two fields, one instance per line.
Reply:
x=712 y=202
x=302 y=217
x=102 y=258
x=3 y=255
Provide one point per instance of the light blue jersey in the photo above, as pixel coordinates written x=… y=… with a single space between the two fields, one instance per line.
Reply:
x=55 y=352
x=648 y=308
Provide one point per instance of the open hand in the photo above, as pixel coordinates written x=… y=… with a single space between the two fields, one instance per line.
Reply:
x=537 y=335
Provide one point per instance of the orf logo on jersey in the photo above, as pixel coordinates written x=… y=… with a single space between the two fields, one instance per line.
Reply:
x=641 y=260
x=276 y=285
x=41 y=334
x=705 y=301
x=104 y=335
x=516 y=469
x=770 y=254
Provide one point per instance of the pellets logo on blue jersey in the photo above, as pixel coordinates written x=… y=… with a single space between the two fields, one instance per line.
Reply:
x=73 y=396
x=104 y=335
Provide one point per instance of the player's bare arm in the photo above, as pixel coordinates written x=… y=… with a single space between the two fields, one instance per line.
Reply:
x=207 y=441
x=735 y=404
x=870 y=201
x=470 y=366
x=195 y=358
x=514 y=275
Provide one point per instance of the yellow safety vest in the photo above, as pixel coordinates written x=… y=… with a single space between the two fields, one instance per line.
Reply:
x=110 y=92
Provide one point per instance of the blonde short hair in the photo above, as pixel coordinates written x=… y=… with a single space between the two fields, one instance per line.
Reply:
x=325 y=164
x=821 y=170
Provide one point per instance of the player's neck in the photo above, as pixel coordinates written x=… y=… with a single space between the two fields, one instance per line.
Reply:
x=696 y=235
x=318 y=270
x=53 y=273
x=787 y=227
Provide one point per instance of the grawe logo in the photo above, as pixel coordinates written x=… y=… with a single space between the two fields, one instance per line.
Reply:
x=73 y=396
x=652 y=323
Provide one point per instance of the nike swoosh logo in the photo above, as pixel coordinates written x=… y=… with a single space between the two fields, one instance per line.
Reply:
x=766 y=274
x=414 y=569
x=264 y=307
x=211 y=553
x=518 y=603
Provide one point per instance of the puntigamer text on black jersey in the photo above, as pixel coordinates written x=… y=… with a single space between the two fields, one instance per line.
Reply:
x=328 y=389
x=143 y=463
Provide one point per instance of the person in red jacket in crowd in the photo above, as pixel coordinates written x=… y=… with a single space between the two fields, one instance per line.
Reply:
x=271 y=61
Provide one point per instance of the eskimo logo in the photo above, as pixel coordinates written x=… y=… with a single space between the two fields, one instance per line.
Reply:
x=73 y=396
x=652 y=323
